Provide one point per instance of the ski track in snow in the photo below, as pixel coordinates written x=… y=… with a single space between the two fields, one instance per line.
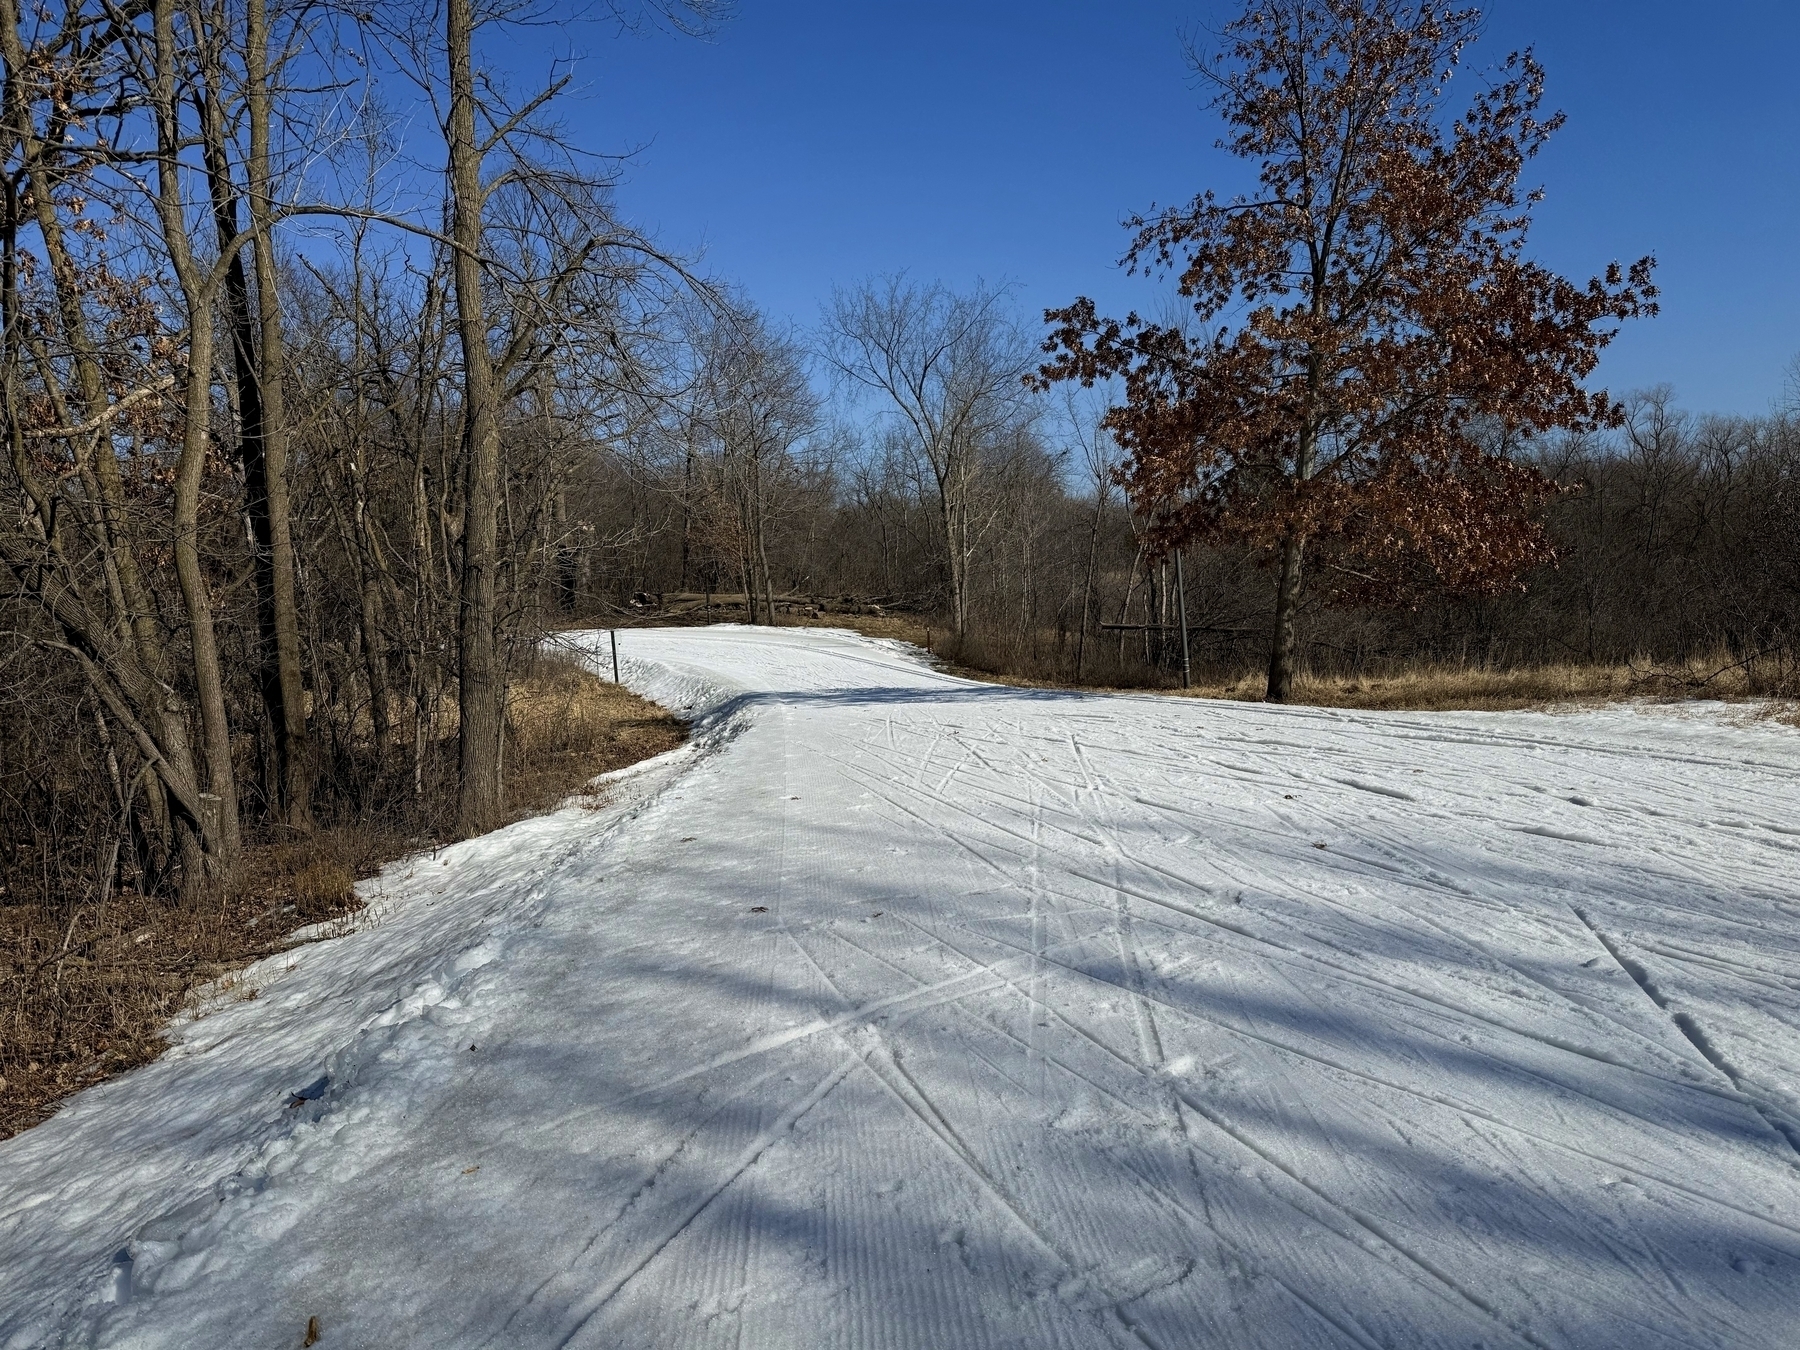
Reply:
x=897 y=1010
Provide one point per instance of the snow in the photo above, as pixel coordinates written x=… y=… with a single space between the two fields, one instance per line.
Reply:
x=897 y=1010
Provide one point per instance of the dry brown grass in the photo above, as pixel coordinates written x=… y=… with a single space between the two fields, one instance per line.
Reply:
x=87 y=995
x=903 y=627
x=1451 y=687
x=1441 y=688
x=566 y=727
x=1772 y=685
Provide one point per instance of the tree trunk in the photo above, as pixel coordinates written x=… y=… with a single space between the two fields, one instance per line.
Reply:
x=219 y=822
x=759 y=543
x=768 y=584
x=375 y=664
x=283 y=623
x=1187 y=660
x=687 y=512
x=1087 y=585
x=1028 y=595
x=256 y=374
x=954 y=534
x=1287 y=606
x=1125 y=604
x=481 y=681
x=567 y=565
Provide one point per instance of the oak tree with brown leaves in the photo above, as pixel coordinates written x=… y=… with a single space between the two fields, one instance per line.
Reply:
x=1370 y=343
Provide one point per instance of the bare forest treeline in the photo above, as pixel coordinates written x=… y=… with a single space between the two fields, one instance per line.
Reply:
x=293 y=425
x=1676 y=539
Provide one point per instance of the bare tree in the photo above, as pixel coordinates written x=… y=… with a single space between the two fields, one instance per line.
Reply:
x=85 y=368
x=952 y=368
x=1100 y=457
x=478 y=126
x=757 y=409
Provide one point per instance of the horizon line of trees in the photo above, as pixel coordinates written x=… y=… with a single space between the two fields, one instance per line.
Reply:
x=1673 y=537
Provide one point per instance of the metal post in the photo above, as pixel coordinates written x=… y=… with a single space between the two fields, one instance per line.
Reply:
x=1187 y=674
x=614 y=634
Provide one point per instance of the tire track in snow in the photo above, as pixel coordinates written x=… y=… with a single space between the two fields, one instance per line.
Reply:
x=906 y=1088
x=1472 y=944
x=1742 y=970
x=1154 y=1116
x=1131 y=954
x=1357 y=1216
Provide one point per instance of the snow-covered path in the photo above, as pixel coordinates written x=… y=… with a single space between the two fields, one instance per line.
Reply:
x=901 y=1011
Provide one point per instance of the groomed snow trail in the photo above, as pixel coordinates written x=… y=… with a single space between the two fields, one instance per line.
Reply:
x=897 y=1010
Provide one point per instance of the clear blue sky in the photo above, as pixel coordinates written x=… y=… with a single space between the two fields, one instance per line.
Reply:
x=819 y=141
